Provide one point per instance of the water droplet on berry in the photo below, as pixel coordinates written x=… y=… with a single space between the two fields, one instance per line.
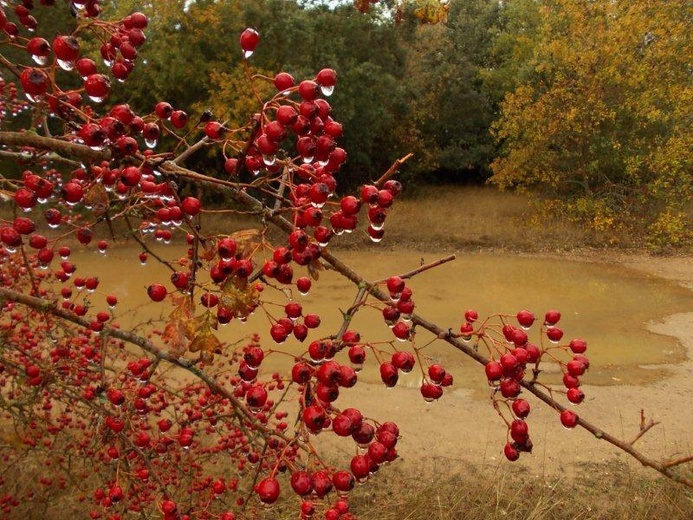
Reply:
x=247 y=54
x=375 y=240
x=327 y=91
x=377 y=226
x=66 y=65
x=40 y=60
x=269 y=160
x=308 y=159
x=151 y=143
x=97 y=99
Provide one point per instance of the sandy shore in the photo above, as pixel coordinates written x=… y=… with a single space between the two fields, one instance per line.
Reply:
x=463 y=428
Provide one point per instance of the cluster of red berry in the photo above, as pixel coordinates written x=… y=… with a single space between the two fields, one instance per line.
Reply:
x=511 y=353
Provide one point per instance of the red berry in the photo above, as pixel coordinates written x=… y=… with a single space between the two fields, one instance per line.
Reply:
x=163 y=110
x=552 y=317
x=511 y=452
x=214 y=130
x=510 y=388
x=570 y=381
x=554 y=334
x=314 y=418
x=312 y=321
x=322 y=484
x=350 y=205
x=38 y=47
x=494 y=370
x=575 y=395
x=256 y=397
x=191 y=206
x=34 y=82
x=157 y=292
x=72 y=192
x=66 y=48
x=268 y=490
x=26 y=199
x=179 y=118
x=471 y=315
x=342 y=425
x=86 y=67
x=525 y=318
x=575 y=368
x=308 y=90
x=343 y=481
x=521 y=408
x=326 y=78
x=169 y=507
x=431 y=392
x=403 y=360
x=578 y=346
x=569 y=419
x=369 y=194
x=286 y=115
x=302 y=483
x=389 y=374
x=301 y=373
x=283 y=81
x=249 y=40
x=97 y=87
x=401 y=331
x=357 y=354
x=519 y=431
x=436 y=373
x=360 y=466
x=395 y=285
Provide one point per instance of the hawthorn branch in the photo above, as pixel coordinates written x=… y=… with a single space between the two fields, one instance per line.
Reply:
x=467 y=349
x=393 y=169
x=85 y=153
x=42 y=305
x=425 y=267
x=644 y=427
x=64 y=148
x=25 y=157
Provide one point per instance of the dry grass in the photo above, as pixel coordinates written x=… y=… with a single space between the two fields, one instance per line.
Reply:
x=481 y=217
x=595 y=493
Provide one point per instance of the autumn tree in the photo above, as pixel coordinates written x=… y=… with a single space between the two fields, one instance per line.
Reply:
x=603 y=119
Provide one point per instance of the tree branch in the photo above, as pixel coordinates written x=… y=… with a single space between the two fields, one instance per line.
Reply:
x=64 y=148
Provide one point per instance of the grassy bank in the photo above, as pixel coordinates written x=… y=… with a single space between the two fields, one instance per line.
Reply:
x=472 y=218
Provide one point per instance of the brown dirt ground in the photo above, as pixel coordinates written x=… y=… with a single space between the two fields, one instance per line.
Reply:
x=463 y=429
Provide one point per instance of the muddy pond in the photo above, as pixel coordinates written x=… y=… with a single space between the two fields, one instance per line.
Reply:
x=608 y=305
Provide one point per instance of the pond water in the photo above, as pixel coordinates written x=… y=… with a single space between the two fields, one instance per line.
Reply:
x=606 y=304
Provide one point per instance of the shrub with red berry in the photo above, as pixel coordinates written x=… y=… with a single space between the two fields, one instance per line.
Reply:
x=162 y=418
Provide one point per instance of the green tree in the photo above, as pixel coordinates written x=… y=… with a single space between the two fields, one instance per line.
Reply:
x=451 y=112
